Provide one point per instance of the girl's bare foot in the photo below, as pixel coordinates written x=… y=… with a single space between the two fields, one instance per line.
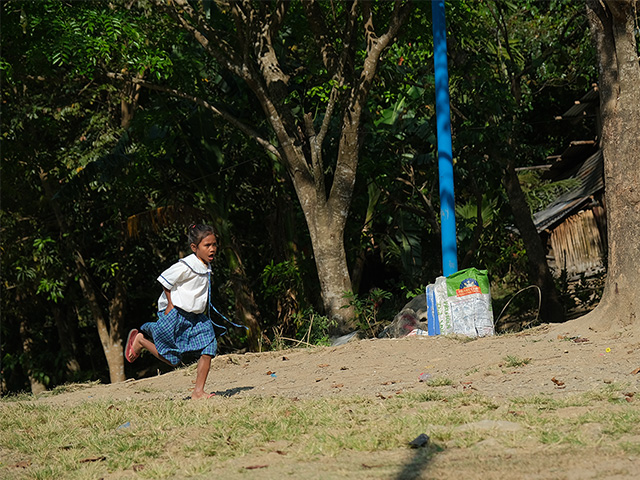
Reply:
x=201 y=395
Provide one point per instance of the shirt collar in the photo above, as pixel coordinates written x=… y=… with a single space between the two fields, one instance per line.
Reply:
x=196 y=264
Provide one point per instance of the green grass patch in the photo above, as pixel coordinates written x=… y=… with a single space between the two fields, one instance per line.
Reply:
x=513 y=361
x=439 y=382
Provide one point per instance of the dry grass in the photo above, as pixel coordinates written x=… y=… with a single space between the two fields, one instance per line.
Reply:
x=268 y=437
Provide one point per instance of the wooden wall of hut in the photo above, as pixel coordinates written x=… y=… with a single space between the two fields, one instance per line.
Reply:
x=577 y=245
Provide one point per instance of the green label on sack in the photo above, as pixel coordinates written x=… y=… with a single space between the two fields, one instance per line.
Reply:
x=467 y=282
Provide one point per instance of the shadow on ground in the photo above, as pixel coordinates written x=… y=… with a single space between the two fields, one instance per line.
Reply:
x=418 y=464
x=231 y=391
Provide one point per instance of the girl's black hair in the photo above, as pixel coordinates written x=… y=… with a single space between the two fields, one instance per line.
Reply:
x=197 y=231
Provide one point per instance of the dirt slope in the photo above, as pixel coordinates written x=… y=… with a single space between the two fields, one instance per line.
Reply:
x=562 y=359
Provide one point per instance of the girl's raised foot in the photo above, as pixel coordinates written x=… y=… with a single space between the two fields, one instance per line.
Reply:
x=129 y=351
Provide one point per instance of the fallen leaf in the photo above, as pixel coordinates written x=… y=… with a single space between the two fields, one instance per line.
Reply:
x=270 y=372
x=253 y=467
x=337 y=385
x=580 y=340
x=285 y=358
x=323 y=365
x=557 y=382
x=636 y=371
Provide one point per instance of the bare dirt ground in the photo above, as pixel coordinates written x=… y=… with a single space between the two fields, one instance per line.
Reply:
x=563 y=360
x=581 y=359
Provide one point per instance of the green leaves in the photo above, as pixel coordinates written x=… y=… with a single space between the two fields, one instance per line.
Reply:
x=89 y=38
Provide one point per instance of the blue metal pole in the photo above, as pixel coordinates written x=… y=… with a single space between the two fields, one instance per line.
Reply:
x=445 y=154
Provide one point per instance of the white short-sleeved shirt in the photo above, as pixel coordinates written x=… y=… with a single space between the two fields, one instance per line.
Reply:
x=188 y=282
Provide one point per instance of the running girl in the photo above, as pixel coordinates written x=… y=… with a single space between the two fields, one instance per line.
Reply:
x=183 y=325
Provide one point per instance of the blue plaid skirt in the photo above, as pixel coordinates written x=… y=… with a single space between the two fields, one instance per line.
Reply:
x=180 y=332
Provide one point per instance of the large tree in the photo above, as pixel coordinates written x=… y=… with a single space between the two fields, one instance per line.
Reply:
x=613 y=26
x=314 y=105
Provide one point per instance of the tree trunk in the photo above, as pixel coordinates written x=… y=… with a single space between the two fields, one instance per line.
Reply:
x=335 y=281
x=613 y=26
x=326 y=228
x=551 y=309
x=110 y=333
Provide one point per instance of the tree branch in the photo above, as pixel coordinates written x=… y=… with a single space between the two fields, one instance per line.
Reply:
x=350 y=138
x=204 y=34
x=247 y=130
x=276 y=18
x=340 y=66
x=321 y=35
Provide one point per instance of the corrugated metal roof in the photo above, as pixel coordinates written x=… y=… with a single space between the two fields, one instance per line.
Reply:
x=565 y=165
x=589 y=99
x=591 y=176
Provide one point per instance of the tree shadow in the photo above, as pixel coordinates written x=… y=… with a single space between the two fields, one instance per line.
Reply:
x=418 y=463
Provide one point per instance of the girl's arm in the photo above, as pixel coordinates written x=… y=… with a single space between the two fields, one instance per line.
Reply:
x=167 y=292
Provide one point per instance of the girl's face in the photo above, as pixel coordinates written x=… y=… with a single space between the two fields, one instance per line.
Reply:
x=206 y=249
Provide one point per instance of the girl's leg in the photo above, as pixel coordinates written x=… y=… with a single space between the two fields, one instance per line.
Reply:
x=141 y=342
x=202 y=371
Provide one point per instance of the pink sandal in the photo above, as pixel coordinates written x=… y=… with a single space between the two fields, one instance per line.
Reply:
x=129 y=354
